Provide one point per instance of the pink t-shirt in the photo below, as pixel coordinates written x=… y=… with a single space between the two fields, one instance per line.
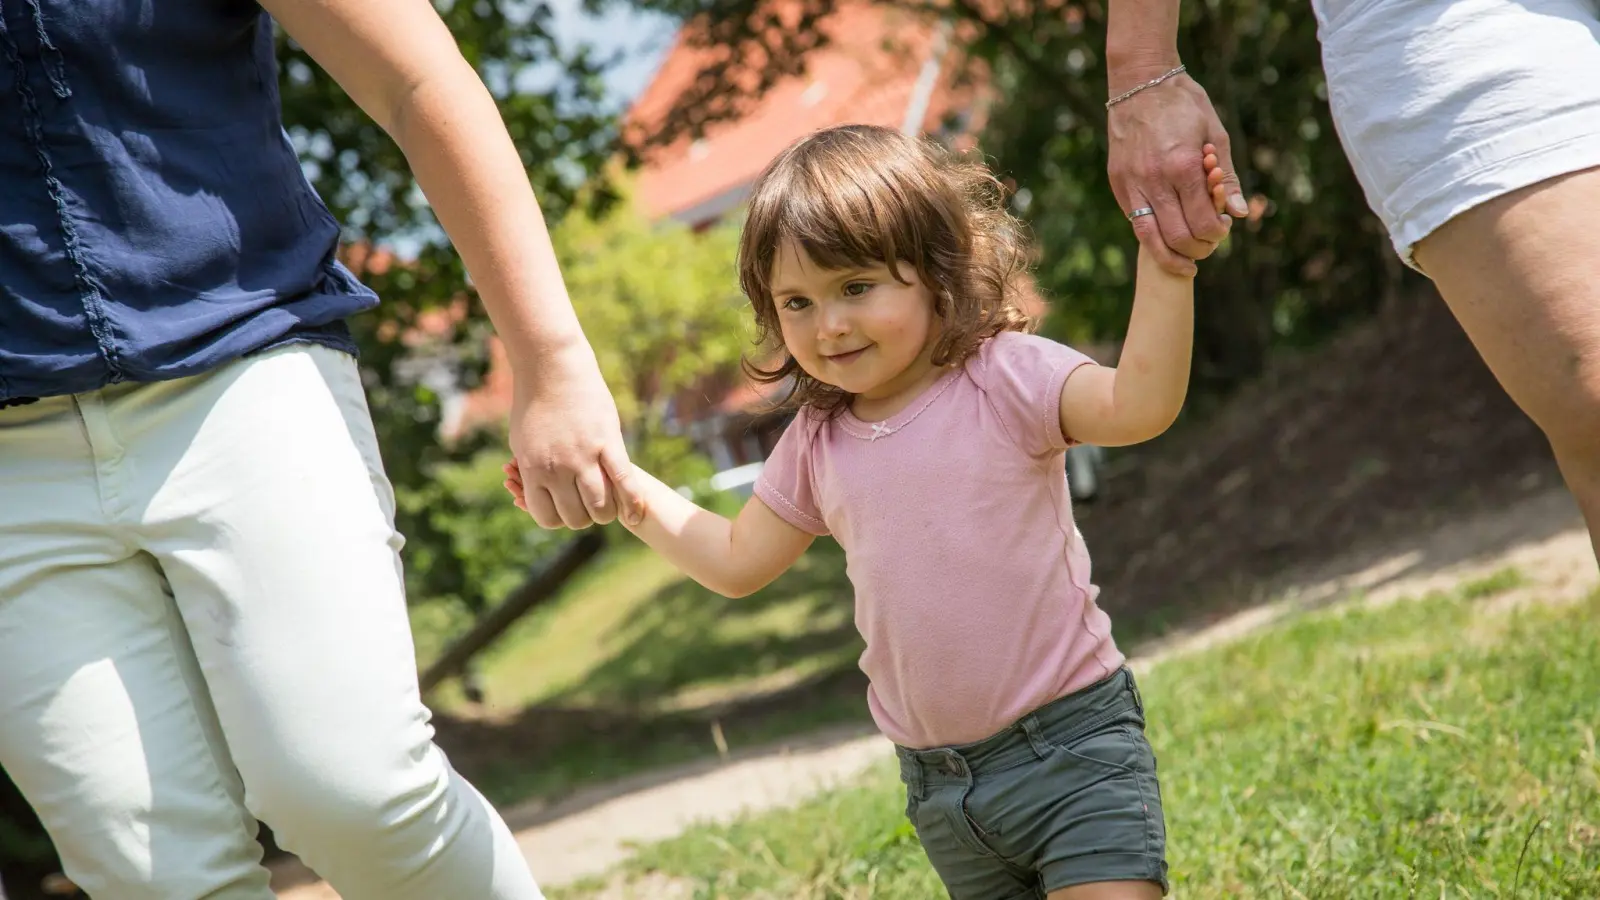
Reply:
x=972 y=581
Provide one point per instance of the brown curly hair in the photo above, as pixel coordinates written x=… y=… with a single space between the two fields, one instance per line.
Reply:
x=861 y=195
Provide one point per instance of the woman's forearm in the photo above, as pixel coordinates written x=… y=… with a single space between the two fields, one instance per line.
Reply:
x=1141 y=41
x=453 y=137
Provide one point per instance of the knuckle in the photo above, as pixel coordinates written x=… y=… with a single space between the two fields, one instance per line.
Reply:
x=1181 y=159
x=1176 y=230
x=1211 y=228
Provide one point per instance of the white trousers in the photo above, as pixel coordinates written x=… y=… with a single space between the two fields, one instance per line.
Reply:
x=203 y=623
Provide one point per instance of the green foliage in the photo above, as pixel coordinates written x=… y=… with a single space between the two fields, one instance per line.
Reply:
x=492 y=544
x=553 y=107
x=1316 y=259
x=662 y=308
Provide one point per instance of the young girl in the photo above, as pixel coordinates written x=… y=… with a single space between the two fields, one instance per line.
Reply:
x=929 y=443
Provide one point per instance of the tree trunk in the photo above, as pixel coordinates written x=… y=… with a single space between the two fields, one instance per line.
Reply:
x=535 y=591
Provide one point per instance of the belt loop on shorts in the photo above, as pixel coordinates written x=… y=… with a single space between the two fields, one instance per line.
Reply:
x=1133 y=688
x=1035 y=733
x=916 y=784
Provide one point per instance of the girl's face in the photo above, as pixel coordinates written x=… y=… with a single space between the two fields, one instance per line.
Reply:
x=860 y=330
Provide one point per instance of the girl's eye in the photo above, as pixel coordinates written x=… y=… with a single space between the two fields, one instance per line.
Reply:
x=857 y=288
x=795 y=304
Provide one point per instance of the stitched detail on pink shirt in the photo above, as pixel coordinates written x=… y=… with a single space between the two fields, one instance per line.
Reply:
x=1052 y=410
x=1051 y=429
x=988 y=399
x=768 y=492
x=884 y=429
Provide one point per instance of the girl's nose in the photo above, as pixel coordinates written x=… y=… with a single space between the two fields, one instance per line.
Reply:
x=833 y=322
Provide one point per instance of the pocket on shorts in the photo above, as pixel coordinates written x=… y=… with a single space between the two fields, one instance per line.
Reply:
x=1117 y=750
x=1094 y=794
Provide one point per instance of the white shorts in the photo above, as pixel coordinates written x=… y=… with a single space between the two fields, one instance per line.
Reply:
x=1442 y=105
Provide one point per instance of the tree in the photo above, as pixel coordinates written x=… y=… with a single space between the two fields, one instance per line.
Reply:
x=553 y=105
x=1315 y=258
x=662 y=307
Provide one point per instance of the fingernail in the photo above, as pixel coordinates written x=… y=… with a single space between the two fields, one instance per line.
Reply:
x=1237 y=204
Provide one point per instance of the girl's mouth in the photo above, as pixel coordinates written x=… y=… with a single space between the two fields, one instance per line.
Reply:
x=844 y=359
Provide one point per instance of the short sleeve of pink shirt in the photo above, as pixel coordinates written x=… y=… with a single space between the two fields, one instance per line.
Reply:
x=786 y=484
x=1022 y=376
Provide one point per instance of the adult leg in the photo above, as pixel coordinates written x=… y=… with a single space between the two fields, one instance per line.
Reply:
x=1481 y=172
x=105 y=723
x=1522 y=275
x=269 y=512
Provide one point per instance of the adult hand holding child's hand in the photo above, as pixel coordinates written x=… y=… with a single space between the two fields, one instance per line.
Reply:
x=1153 y=164
x=571 y=467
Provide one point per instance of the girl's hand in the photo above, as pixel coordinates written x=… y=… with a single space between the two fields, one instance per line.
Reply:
x=513 y=485
x=1217 y=180
x=731 y=558
x=630 y=504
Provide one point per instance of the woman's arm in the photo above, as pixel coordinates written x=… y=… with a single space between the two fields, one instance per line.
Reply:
x=1154 y=136
x=734 y=558
x=400 y=64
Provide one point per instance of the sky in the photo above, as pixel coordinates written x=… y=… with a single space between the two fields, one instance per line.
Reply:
x=641 y=38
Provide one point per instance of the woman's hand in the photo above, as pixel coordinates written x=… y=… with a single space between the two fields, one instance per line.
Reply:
x=1155 y=162
x=567 y=444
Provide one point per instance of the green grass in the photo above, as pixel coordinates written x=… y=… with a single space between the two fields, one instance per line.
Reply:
x=633 y=633
x=598 y=758
x=554 y=647
x=1437 y=748
x=661 y=658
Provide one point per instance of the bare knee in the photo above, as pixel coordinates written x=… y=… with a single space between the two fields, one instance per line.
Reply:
x=1109 y=890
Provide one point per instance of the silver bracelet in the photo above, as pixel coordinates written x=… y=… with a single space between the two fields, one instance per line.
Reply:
x=1148 y=84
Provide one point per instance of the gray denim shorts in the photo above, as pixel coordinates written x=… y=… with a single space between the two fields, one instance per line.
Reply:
x=1066 y=795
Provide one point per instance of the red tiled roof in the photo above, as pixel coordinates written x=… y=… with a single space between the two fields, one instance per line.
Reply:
x=868 y=73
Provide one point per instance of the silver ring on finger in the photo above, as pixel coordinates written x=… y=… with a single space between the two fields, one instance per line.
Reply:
x=1141 y=211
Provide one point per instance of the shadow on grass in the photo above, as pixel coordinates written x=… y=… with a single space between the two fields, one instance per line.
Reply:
x=692 y=676
x=548 y=754
x=687 y=638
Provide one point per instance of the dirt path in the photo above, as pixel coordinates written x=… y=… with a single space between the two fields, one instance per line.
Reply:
x=590 y=832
